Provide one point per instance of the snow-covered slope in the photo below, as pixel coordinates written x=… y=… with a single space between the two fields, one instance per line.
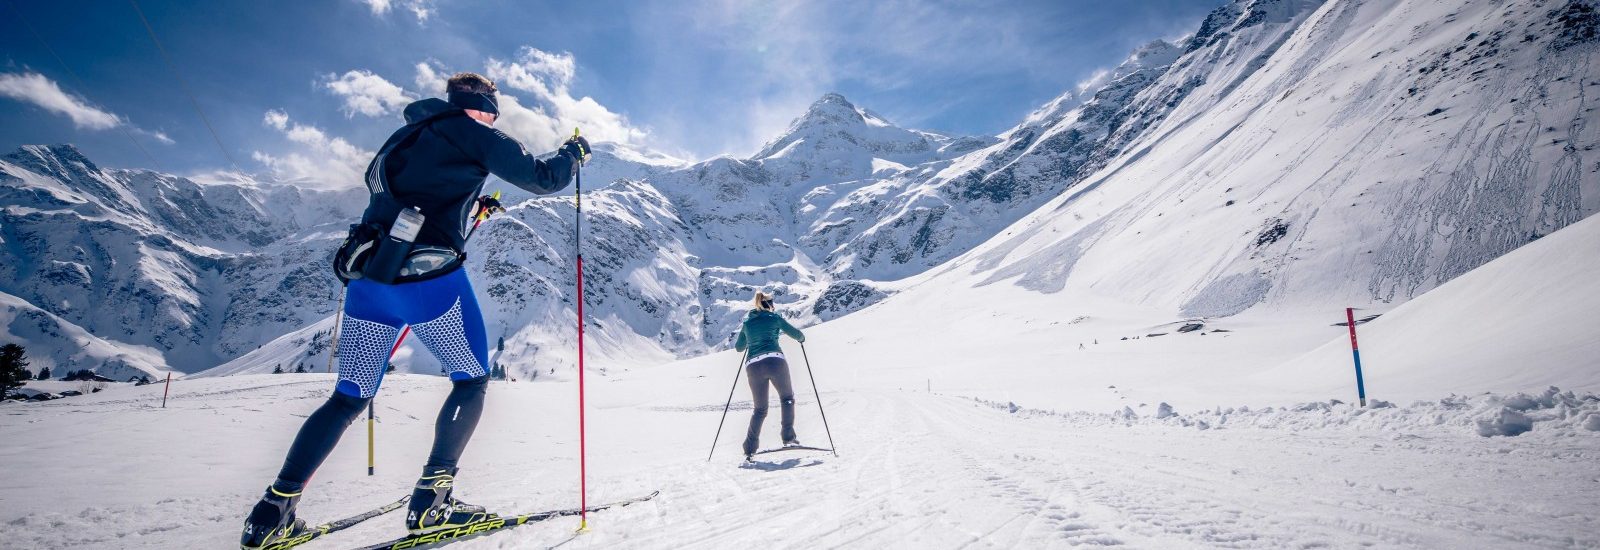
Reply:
x=1371 y=153
x=56 y=344
x=158 y=261
x=1264 y=204
x=1522 y=322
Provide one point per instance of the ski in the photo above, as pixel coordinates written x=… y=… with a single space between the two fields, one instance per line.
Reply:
x=488 y=526
x=317 y=531
x=792 y=448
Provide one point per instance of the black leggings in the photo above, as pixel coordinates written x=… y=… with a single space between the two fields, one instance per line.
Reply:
x=457 y=420
x=774 y=371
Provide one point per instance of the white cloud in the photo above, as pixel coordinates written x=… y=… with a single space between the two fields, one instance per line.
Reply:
x=156 y=135
x=366 y=93
x=1095 y=81
x=421 y=9
x=431 y=76
x=35 y=88
x=551 y=111
x=320 y=159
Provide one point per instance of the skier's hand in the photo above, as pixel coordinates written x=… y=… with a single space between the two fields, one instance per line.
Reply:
x=487 y=205
x=577 y=148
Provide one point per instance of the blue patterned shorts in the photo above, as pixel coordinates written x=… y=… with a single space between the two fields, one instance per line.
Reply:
x=442 y=312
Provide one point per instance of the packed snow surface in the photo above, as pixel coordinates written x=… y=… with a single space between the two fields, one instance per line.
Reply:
x=915 y=469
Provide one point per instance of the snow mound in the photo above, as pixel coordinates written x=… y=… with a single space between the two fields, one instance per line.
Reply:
x=1552 y=411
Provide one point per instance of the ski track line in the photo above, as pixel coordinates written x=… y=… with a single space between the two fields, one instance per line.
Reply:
x=1148 y=501
x=1305 y=518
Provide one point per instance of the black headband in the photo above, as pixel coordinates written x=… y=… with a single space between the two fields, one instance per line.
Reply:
x=476 y=101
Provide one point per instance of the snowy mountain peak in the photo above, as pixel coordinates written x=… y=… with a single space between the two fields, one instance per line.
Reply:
x=833 y=109
x=836 y=132
x=62 y=159
x=1156 y=53
x=1242 y=14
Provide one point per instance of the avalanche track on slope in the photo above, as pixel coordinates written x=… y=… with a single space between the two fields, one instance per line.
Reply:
x=917 y=470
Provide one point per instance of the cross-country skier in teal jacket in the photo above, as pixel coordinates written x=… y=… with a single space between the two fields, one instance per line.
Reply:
x=764 y=364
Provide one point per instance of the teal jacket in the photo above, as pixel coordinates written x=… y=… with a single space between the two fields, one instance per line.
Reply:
x=760 y=333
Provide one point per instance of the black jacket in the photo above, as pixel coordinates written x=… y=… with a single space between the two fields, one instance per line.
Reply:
x=443 y=168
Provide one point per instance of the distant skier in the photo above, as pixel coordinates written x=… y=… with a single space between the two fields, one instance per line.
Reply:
x=764 y=364
x=403 y=267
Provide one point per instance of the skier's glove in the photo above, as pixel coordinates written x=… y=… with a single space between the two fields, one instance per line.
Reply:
x=576 y=148
x=488 y=205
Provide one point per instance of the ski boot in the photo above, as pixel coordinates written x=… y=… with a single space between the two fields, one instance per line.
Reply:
x=792 y=443
x=432 y=507
x=272 y=521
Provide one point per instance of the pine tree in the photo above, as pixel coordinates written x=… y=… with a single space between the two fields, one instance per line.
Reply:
x=390 y=368
x=502 y=343
x=44 y=373
x=300 y=369
x=277 y=369
x=13 y=368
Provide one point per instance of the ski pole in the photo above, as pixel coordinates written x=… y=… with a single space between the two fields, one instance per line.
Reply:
x=577 y=247
x=725 y=406
x=814 y=390
x=370 y=407
x=338 y=317
x=483 y=214
x=370 y=454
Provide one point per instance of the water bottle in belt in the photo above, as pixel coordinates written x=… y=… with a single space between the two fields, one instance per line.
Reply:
x=385 y=266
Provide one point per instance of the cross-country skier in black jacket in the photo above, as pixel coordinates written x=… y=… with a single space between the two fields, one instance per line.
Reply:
x=437 y=165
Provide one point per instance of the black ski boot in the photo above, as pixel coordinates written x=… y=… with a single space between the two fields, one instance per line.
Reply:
x=433 y=509
x=792 y=443
x=272 y=521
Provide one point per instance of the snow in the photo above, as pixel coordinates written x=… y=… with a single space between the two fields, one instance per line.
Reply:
x=1521 y=322
x=916 y=469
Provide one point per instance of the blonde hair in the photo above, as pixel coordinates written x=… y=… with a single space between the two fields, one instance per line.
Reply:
x=760 y=297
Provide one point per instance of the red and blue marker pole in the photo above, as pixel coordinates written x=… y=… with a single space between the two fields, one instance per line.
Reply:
x=1355 y=351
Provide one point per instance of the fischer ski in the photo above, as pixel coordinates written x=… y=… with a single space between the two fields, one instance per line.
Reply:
x=492 y=525
x=316 y=531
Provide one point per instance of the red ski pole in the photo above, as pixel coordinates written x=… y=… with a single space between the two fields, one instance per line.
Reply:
x=583 y=452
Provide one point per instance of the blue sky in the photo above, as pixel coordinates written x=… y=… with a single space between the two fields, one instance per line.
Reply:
x=308 y=89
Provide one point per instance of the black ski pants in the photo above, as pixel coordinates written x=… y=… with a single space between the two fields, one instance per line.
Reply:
x=773 y=371
x=458 y=418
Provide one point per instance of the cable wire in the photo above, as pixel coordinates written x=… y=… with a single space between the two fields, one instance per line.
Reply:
x=79 y=82
x=184 y=85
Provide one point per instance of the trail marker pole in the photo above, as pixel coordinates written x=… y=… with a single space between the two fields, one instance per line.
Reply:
x=167 y=390
x=1355 y=352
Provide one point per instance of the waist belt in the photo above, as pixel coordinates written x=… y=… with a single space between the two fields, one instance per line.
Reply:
x=425 y=261
x=777 y=354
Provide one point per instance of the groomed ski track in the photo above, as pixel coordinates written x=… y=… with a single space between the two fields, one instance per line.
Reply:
x=917 y=470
